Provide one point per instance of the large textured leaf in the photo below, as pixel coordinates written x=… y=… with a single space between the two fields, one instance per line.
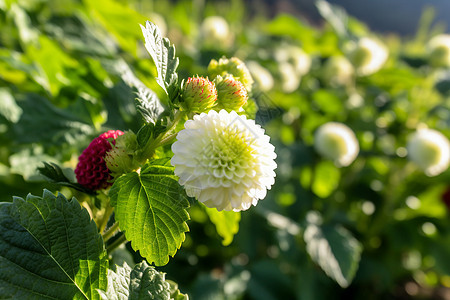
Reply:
x=43 y=122
x=334 y=249
x=163 y=55
x=226 y=222
x=150 y=206
x=50 y=248
x=142 y=282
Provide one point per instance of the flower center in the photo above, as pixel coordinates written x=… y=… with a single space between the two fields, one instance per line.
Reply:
x=229 y=153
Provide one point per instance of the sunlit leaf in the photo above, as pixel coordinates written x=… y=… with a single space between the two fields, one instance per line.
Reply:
x=140 y=283
x=162 y=54
x=150 y=207
x=226 y=222
x=50 y=248
x=334 y=249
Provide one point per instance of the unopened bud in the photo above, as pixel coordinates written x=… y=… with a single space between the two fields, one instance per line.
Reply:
x=199 y=94
x=119 y=159
x=233 y=66
x=231 y=93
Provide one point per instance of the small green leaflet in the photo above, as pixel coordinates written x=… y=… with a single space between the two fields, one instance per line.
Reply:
x=142 y=282
x=226 y=222
x=162 y=54
x=334 y=249
x=150 y=207
x=54 y=173
x=50 y=248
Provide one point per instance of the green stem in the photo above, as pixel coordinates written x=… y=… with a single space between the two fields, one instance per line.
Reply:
x=105 y=218
x=114 y=245
x=110 y=232
x=162 y=139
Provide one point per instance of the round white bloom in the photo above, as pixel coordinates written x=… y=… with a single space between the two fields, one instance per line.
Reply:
x=299 y=59
x=368 y=56
x=336 y=141
x=338 y=71
x=439 y=50
x=261 y=76
x=215 y=32
x=224 y=160
x=290 y=80
x=430 y=150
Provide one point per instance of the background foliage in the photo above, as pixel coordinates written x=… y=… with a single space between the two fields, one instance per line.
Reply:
x=376 y=229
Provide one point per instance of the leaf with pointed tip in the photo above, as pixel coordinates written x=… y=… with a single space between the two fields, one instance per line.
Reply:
x=142 y=282
x=162 y=54
x=226 y=222
x=335 y=250
x=53 y=173
x=50 y=248
x=150 y=207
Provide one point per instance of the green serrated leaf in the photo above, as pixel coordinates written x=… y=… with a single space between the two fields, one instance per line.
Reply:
x=226 y=222
x=150 y=207
x=50 y=248
x=53 y=173
x=334 y=249
x=162 y=54
x=142 y=282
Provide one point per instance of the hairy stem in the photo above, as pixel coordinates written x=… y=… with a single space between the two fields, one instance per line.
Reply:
x=110 y=231
x=114 y=245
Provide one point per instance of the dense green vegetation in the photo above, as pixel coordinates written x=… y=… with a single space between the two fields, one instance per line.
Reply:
x=376 y=227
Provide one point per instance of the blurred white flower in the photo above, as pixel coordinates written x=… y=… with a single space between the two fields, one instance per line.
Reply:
x=224 y=160
x=430 y=150
x=367 y=56
x=439 y=50
x=215 y=32
x=262 y=77
x=293 y=63
x=336 y=141
x=290 y=80
x=338 y=71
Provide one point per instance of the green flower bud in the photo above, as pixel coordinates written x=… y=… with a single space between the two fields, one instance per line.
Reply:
x=199 y=95
x=439 y=51
x=231 y=93
x=233 y=66
x=119 y=159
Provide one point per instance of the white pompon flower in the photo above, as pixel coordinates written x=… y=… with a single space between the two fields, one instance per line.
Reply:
x=430 y=150
x=336 y=141
x=439 y=50
x=368 y=56
x=224 y=160
x=215 y=32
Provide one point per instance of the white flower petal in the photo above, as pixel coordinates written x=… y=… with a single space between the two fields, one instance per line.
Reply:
x=229 y=164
